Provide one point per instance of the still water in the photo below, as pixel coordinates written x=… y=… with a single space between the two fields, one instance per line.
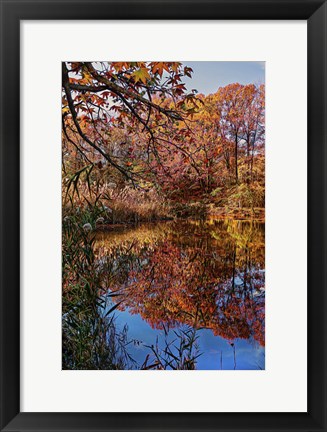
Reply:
x=188 y=289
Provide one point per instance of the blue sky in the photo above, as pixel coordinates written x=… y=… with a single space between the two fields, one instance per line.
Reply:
x=209 y=76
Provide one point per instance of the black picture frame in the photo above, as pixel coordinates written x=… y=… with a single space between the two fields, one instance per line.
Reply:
x=12 y=12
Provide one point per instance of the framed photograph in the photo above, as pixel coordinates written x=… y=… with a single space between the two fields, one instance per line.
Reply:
x=163 y=215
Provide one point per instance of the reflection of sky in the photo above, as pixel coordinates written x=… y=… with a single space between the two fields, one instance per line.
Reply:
x=208 y=76
x=191 y=234
x=249 y=355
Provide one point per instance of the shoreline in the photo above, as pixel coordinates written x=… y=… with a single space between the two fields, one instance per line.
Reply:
x=237 y=214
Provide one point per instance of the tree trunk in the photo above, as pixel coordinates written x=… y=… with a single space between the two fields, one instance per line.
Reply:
x=236 y=161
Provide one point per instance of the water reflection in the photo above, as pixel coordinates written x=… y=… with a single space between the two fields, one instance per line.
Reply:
x=203 y=275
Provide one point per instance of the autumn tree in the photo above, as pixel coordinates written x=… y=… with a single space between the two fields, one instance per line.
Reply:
x=99 y=97
x=225 y=138
x=233 y=119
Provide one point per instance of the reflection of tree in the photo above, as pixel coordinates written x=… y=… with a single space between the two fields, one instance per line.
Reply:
x=203 y=275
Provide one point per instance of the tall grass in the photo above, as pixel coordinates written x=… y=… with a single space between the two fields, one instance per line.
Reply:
x=180 y=353
x=90 y=339
x=138 y=205
x=115 y=204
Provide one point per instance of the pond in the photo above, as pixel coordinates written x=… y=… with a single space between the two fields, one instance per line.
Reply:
x=191 y=293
